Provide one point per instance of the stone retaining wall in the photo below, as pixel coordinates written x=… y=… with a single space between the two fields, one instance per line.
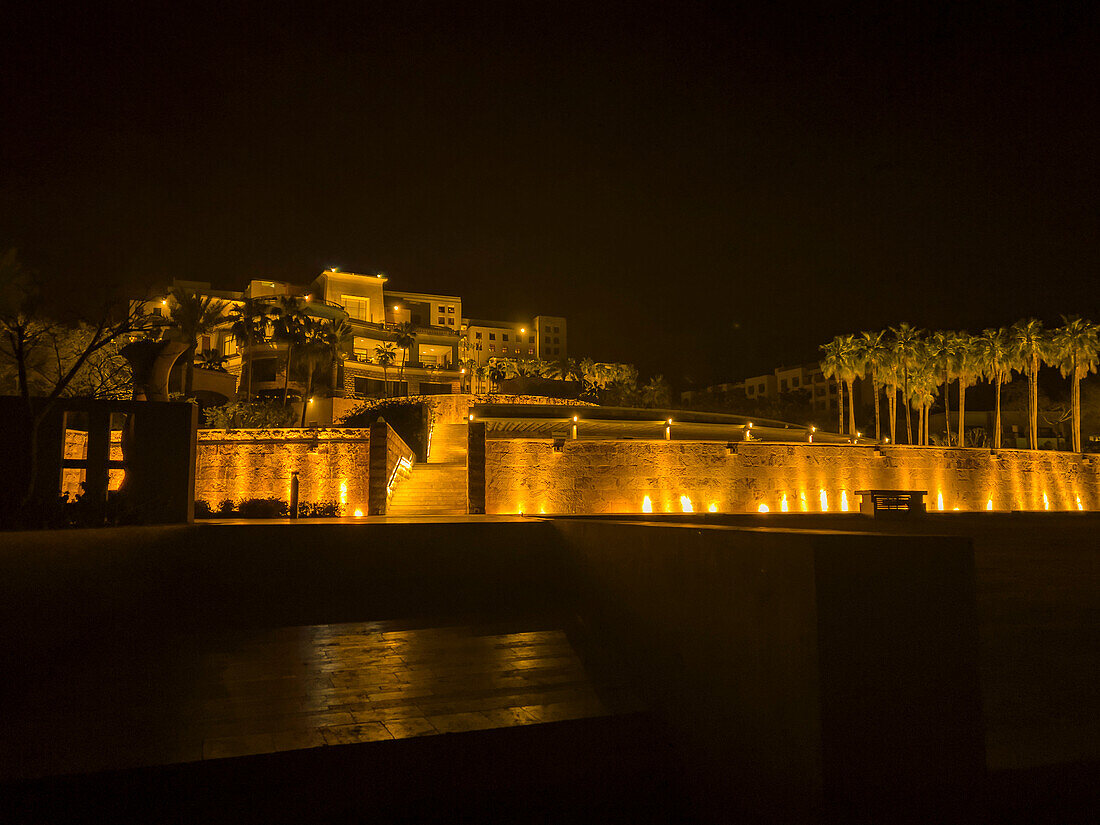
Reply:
x=529 y=476
x=332 y=464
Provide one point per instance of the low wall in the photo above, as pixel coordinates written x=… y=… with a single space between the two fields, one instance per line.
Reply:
x=529 y=476
x=332 y=465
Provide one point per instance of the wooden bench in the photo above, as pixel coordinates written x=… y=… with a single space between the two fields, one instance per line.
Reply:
x=892 y=503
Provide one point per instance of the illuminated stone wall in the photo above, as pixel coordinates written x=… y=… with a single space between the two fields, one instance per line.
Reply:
x=527 y=475
x=332 y=464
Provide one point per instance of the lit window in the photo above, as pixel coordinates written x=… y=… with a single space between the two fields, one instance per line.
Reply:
x=356 y=306
x=229 y=346
x=531 y=351
x=451 y=310
x=492 y=347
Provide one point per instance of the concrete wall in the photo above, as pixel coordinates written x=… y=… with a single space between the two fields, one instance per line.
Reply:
x=527 y=475
x=813 y=670
x=332 y=465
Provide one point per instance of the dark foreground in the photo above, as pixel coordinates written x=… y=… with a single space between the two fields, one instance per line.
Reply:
x=560 y=672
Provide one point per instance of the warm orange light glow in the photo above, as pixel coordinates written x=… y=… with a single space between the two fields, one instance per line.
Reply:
x=843 y=501
x=989 y=504
x=670 y=421
x=1079 y=507
x=523 y=329
x=763 y=508
x=939 y=501
x=805 y=505
x=647 y=505
x=685 y=504
x=471 y=416
x=358 y=513
x=824 y=501
x=783 y=504
x=574 y=418
x=1046 y=502
x=713 y=508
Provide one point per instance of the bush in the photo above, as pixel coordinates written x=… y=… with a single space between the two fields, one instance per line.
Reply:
x=263 y=508
x=242 y=415
x=409 y=419
x=319 y=509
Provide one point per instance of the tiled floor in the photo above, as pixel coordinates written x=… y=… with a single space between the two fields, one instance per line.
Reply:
x=300 y=687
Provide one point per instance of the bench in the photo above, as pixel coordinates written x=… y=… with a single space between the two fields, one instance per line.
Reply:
x=892 y=503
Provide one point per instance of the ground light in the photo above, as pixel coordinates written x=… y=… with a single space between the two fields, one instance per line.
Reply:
x=647 y=505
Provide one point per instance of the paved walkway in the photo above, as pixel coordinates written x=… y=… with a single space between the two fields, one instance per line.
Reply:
x=301 y=687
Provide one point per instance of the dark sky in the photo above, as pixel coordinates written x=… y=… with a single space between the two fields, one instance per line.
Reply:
x=700 y=189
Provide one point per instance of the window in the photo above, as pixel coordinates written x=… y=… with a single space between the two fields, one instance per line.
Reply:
x=477 y=334
x=451 y=310
x=546 y=331
x=492 y=336
x=751 y=390
x=504 y=336
x=556 y=330
x=156 y=310
x=761 y=388
x=492 y=347
x=441 y=309
x=478 y=347
x=555 y=350
x=357 y=306
x=229 y=346
x=450 y=321
x=557 y=340
x=205 y=345
x=531 y=339
x=361 y=348
x=783 y=385
x=794 y=381
x=531 y=351
x=443 y=321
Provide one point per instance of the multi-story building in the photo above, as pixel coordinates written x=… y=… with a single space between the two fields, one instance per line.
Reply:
x=430 y=364
x=804 y=377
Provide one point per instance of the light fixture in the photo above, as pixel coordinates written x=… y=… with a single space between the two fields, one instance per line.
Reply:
x=574 y=419
x=463 y=371
x=311 y=401
x=523 y=329
x=164 y=302
x=670 y=421
x=471 y=416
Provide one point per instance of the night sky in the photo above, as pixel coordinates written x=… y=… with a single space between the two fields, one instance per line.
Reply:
x=701 y=190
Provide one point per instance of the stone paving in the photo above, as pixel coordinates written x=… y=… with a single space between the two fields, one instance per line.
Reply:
x=300 y=687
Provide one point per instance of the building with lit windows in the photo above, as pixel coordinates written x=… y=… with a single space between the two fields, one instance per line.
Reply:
x=431 y=365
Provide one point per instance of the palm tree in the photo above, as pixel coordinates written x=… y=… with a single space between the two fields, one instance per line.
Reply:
x=891 y=378
x=249 y=320
x=481 y=374
x=496 y=373
x=968 y=371
x=385 y=354
x=212 y=359
x=194 y=315
x=943 y=348
x=290 y=329
x=837 y=365
x=997 y=361
x=1031 y=344
x=874 y=351
x=1076 y=346
x=406 y=338
x=467 y=365
x=906 y=343
x=656 y=392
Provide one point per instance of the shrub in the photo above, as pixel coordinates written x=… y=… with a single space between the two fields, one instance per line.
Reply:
x=319 y=509
x=202 y=509
x=250 y=415
x=409 y=419
x=263 y=508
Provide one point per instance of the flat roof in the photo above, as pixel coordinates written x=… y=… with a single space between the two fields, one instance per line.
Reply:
x=422 y=295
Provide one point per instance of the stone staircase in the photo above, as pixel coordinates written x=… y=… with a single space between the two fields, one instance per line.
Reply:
x=436 y=487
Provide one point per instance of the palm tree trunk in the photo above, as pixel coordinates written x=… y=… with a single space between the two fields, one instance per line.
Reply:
x=1033 y=406
x=878 y=419
x=305 y=398
x=997 y=414
x=851 y=408
x=962 y=412
x=248 y=390
x=286 y=377
x=947 y=404
x=892 y=405
x=1075 y=403
x=840 y=408
x=189 y=371
x=908 y=408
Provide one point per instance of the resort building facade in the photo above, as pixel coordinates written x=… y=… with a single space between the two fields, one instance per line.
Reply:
x=444 y=344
